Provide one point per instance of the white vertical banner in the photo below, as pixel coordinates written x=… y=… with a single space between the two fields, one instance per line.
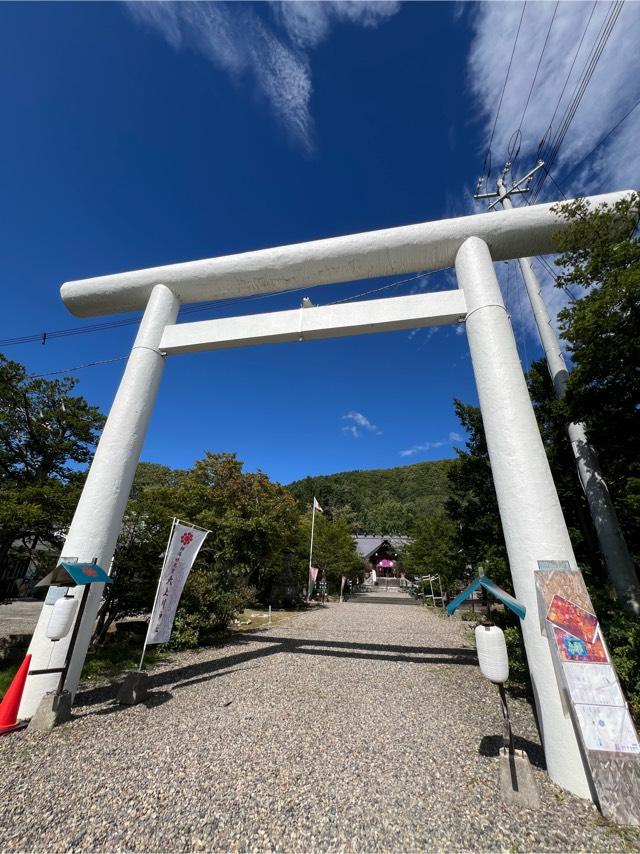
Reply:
x=344 y=580
x=181 y=553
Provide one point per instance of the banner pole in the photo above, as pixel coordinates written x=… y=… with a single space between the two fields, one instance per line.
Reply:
x=155 y=600
x=313 y=521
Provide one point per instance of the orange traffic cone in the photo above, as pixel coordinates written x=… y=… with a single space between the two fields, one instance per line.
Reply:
x=11 y=700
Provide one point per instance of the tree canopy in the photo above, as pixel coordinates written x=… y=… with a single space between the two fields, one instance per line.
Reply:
x=46 y=434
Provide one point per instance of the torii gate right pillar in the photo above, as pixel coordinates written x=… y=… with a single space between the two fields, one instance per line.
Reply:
x=532 y=520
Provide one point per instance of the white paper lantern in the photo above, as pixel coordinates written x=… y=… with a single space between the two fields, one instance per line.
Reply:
x=492 y=653
x=62 y=618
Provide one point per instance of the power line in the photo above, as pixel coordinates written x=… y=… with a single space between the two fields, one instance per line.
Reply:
x=78 y=367
x=547 y=266
x=535 y=76
x=603 y=140
x=579 y=90
x=504 y=86
x=557 y=186
x=421 y=275
x=568 y=77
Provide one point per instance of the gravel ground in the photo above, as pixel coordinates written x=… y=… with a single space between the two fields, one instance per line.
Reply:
x=19 y=616
x=364 y=726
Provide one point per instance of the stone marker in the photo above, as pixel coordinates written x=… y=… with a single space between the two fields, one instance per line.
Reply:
x=516 y=780
x=134 y=689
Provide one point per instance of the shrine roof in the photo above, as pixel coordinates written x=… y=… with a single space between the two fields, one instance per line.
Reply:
x=367 y=544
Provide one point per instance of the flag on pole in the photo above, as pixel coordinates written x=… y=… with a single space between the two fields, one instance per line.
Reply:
x=181 y=553
x=316 y=506
x=344 y=581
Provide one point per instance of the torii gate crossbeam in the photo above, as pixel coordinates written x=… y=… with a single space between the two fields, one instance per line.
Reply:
x=531 y=516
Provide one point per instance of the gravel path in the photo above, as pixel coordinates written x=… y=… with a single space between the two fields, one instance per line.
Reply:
x=19 y=616
x=364 y=726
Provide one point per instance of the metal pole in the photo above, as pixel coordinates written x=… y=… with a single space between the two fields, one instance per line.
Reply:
x=532 y=521
x=96 y=523
x=74 y=635
x=313 y=522
x=618 y=560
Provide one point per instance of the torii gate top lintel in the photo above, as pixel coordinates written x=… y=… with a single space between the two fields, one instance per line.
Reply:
x=406 y=249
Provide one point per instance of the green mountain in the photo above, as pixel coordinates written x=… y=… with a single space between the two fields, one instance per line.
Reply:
x=382 y=501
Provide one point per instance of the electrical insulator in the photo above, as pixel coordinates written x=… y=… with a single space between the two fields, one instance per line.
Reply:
x=492 y=653
x=62 y=618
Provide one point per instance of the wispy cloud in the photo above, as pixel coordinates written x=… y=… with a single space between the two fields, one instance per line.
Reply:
x=422 y=447
x=358 y=424
x=611 y=92
x=416 y=449
x=270 y=47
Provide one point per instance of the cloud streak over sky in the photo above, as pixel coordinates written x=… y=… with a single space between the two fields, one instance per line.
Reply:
x=270 y=50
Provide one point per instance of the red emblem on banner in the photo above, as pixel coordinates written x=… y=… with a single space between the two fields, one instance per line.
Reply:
x=185 y=539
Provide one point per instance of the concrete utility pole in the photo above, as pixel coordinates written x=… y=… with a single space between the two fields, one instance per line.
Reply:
x=617 y=558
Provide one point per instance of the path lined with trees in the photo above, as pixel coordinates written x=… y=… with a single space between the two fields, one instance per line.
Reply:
x=364 y=726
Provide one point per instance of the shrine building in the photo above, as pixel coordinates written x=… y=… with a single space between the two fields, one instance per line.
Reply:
x=381 y=552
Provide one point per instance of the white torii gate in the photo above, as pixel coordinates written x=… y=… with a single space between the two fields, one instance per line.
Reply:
x=532 y=520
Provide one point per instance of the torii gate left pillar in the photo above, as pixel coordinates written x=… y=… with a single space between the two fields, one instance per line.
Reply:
x=96 y=522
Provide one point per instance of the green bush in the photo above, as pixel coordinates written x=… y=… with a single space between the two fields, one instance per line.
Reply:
x=206 y=609
x=518 y=668
x=622 y=634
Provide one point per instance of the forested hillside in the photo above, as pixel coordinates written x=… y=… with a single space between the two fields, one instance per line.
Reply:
x=384 y=501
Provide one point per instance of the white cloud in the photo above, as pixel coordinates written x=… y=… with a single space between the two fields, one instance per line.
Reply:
x=308 y=23
x=358 y=423
x=275 y=55
x=416 y=449
x=428 y=446
x=611 y=92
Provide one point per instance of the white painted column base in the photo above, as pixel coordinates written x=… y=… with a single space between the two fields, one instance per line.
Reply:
x=532 y=520
x=98 y=517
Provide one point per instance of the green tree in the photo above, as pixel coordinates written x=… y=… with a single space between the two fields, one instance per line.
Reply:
x=334 y=550
x=551 y=415
x=141 y=543
x=472 y=504
x=435 y=550
x=252 y=520
x=253 y=523
x=46 y=432
x=383 y=501
x=600 y=255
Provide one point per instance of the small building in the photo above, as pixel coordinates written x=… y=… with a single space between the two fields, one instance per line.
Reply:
x=381 y=552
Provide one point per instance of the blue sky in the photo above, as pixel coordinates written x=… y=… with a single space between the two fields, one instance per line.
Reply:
x=146 y=134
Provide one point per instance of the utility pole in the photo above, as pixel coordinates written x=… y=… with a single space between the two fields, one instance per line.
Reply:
x=617 y=558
